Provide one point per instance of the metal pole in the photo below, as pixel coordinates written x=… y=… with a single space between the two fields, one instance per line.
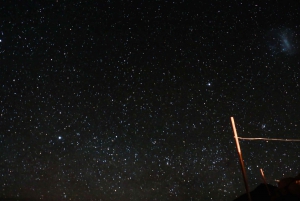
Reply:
x=265 y=182
x=240 y=158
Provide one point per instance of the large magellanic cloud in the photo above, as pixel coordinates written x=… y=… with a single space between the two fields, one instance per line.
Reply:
x=282 y=41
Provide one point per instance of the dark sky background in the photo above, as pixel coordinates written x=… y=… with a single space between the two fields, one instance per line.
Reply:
x=131 y=100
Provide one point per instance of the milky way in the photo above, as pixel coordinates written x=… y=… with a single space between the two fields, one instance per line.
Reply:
x=132 y=101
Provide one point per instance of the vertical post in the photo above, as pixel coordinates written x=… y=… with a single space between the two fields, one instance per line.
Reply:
x=240 y=158
x=265 y=182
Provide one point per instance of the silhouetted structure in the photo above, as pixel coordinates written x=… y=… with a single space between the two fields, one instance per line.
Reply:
x=260 y=193
x=288 y=190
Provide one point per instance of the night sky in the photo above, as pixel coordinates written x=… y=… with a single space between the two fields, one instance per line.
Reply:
x=131 y=100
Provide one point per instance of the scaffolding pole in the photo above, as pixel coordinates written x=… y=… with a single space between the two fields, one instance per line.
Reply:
x=240 y=158
x=264 y=179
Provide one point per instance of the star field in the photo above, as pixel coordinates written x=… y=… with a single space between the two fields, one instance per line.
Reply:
x=125 y=100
